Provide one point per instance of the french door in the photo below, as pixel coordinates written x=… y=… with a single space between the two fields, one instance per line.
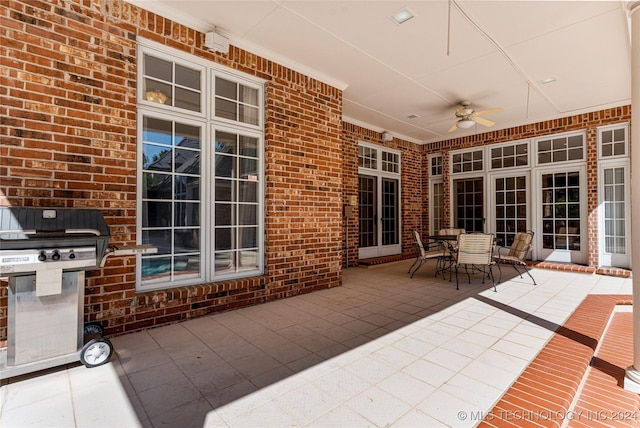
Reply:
x=379 y=216
x=509 y=195
x=561 y=216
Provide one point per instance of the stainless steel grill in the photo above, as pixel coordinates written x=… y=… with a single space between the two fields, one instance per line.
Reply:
x=44 y=253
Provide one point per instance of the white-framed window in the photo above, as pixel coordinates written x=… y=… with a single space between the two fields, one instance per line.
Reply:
x=511 y=155
x=569 y=147
x=613 y=141
x=367 y=157
x=171 y=83
x=390 y=161
x=436 y=205
x=467 y=161
x=435 y=165
x=200 y=171
x=436 y=193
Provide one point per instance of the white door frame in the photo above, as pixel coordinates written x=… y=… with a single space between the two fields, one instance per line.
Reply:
x=604 y=258
x=379 y=174
x=555 y=255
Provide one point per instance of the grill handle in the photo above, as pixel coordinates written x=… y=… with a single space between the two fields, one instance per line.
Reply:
x=17 y=232
x=50 y=232
x=83 y=231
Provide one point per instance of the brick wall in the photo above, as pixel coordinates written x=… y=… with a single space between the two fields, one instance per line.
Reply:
x=588 y=122
x=67 y=102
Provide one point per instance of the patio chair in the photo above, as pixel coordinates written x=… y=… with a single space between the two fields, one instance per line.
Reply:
x=432 y=251
x=475 y=251
x=522 y=244
x=451 y=232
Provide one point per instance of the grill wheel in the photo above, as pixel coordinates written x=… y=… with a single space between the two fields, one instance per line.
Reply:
x=96 y=352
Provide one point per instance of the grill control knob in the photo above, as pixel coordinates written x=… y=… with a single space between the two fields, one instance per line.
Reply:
x=42 y=256
x=55 y=256
x=72 y=255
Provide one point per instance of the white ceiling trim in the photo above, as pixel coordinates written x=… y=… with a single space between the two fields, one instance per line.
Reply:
x=203 y=27
x=375 y=128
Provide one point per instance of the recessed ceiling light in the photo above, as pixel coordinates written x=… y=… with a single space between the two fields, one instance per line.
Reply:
x=549 y=80
x=401 y=16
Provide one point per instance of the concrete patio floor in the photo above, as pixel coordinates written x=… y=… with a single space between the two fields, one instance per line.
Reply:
x=382 y=350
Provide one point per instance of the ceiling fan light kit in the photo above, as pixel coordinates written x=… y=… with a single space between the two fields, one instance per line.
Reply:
x=466 y=123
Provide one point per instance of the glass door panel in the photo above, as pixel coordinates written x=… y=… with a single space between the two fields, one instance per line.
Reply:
x=511 y=198
x=562 y=228
x=614 y=244
x=469 y=204
x=367 y=210
x=390 y=220
x=436 y=206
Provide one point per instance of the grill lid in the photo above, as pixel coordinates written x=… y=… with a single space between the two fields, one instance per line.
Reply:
x=30 y=227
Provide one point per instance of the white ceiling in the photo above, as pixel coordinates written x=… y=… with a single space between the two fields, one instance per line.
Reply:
x=499 y=53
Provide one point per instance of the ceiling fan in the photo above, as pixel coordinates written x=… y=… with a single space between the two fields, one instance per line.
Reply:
x=467 y=117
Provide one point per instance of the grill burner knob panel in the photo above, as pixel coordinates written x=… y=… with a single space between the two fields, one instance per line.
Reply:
x=14 y=262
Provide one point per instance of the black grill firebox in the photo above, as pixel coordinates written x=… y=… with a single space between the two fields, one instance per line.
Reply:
x=44 y=252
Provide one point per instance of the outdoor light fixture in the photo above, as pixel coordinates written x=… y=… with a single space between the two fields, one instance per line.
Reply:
x=156 y=96
x=465 y=123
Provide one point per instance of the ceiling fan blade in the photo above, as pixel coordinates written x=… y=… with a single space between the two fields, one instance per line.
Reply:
x=489 y=111
x=483 y=121
x=454 y=127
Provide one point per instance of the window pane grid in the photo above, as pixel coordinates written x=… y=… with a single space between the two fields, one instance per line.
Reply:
x=614 y=211
x=367 y=209
x=561 y=211
x=236 y=102
x=170 y=199
x=390 y=162
x=613 y=142
x=235 y=210
x=469 y=204
x=436 y=166
x=438 y=206
x=367 y=157
x=467 y=162
x=171 y=84
x=390 y=229
x=511 y=208
x=561 y=149
x=509 y=156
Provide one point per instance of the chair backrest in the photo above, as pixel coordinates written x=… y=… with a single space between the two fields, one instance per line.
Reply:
x=475 y=248
x=451 y=232
x=521 y=245
x=455 y=232
x=418 y=242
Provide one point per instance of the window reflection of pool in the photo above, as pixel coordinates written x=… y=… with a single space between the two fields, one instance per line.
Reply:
x=161 y=266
